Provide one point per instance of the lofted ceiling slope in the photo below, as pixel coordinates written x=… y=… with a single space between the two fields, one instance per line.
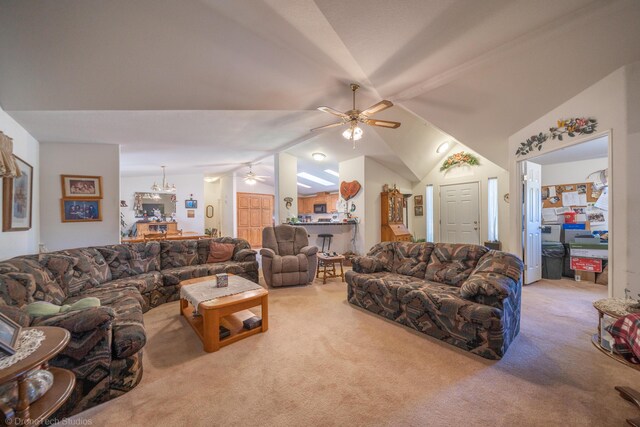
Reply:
x=208 y=85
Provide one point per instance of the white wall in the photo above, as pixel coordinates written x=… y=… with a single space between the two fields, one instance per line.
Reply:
x=572 y=172
x=613 y=101
x=228 y=216
x=212 y=197
x=376 y=176
x=15 y=243
x=258 y=187
x=459 y=175
x=354 y=170
x=78 y=159
x=286 y=169
x=186 y=186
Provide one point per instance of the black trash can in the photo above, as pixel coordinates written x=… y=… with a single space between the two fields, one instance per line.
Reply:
x=552 y=260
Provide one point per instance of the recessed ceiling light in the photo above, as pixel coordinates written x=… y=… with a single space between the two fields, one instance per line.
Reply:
x=318 y=157
x=210 y=179
x=315 y=179
x=442 y=147
x=303 y=185
x=332 y=172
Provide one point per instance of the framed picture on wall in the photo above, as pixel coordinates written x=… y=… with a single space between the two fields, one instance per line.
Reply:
x=418 y=210
x=81 y=187
x=17 y=198
x=77 y=210
x=417 y=200
x=191 y=204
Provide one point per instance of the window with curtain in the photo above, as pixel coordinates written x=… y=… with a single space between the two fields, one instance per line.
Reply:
x=429 y=212
x=492 y=214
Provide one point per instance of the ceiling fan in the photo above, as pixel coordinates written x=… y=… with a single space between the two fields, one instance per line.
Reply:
x=354 y=116
x=251 y=177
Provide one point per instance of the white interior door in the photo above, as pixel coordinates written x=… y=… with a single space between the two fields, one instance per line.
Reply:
x=460 y=213
x=532 y=221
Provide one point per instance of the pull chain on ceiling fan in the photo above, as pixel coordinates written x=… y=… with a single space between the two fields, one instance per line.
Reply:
x=354 y=116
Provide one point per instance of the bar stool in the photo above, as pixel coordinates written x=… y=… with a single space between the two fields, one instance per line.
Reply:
x=324 y=238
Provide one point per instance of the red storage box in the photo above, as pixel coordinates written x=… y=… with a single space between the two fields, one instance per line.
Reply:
x=592 y=265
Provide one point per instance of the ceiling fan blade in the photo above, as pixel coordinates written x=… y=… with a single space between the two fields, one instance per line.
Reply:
x=258 y=178
x=327 y=126
x=376 y=108
x=382 y=123
x=333 y=111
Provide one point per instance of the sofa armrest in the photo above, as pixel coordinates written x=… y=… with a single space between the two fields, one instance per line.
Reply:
x=79 y=321
x=266 y=252
x=21 y=317
x=367 y=264
x=244 y=255
x=489 y=284
x=309 y=250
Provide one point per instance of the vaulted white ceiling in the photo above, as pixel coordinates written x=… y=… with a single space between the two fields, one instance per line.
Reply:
x=208 y=85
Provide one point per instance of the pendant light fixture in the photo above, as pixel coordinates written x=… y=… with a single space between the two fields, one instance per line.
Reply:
x=166 y=187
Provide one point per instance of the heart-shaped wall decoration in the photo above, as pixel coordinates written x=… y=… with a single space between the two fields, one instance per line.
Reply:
x=349 y=190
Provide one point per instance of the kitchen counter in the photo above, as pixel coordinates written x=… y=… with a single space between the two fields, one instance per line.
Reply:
x=343 y=234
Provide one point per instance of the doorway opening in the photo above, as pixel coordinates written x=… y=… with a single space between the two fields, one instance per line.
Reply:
x=567 y=225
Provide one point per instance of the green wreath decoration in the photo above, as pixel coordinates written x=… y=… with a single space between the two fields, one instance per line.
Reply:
x=459 y=159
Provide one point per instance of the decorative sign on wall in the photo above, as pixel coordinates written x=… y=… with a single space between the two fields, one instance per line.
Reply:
x=459 y=159
x=571 y=127
x=349 y=190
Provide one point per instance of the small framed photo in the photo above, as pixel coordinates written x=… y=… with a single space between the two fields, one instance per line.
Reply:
x=418 y=210
x=417 y=200
x=191 y=213
x=9 y=333
x=76 y=210
x=81 y=187
x=191 y=204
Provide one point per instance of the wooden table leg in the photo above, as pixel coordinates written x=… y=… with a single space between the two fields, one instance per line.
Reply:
x=324 y=276
x=211 y=330
x=265 y=313
x=341 y=271
x=183 y=304
x=318 y=269
x=22 y=408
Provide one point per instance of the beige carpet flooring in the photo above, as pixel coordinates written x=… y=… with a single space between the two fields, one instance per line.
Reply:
x=324 y=362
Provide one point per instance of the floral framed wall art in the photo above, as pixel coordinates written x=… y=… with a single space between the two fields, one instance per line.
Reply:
x=78 y=210
x=81 y=187
x=17 y=197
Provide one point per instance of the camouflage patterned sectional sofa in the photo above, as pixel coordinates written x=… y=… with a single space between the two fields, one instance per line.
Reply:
x=105 y=351
x=465 y=295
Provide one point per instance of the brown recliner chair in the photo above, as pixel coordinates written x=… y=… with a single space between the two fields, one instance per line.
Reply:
x=287 y=258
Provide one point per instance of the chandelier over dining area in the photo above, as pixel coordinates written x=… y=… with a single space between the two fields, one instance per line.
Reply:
x=165 y=187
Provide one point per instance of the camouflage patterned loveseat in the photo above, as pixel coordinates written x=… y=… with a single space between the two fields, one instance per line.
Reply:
x=105 y=351
x=465 y=295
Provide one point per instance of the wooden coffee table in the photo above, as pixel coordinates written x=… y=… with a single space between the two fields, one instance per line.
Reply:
x=229 y=311
x=327 y=266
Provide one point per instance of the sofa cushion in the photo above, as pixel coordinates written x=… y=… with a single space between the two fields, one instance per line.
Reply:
x=19 y=316
x=77 y=269
x=173 y=276
x=148 y=284
x=46 y=287
x=411 y=258
x=220 y=252
x=453 y=263
x=385 y=253
x=128 y=260
x=16 y=289
x=128 y=324
x=495 y=278
x=178 y=253
x=232 y=267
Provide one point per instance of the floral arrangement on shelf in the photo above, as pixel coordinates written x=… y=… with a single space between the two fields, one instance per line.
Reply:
x=459 y=159
x=571 y=127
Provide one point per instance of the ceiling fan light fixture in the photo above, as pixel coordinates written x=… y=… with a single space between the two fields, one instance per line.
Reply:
x=318 y=157
x=353 y=133
x=250 y=181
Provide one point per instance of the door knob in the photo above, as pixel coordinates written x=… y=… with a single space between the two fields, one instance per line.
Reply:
x=475 y=228
x=475 y=222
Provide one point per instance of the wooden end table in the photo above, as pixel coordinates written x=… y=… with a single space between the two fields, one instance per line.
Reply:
x=55 y=341
x=626 y=393
x=325 y=261
x=229 y=311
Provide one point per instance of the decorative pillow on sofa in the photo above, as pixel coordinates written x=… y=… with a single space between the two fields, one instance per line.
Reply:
x=77 y=270
x=384 y=252
x=220 y=252
x=410 y=259
x=178 y=253
x=132 y=259
x=46 y=287
x=453 y=263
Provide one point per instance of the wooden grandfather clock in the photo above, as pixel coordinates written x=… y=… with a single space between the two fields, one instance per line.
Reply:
x=393 y=229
